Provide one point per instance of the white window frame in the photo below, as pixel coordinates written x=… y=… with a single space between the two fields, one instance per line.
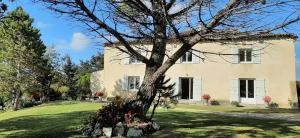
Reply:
x=245 y=55
x=186 y=54
x=247 y=90
x=135 y=86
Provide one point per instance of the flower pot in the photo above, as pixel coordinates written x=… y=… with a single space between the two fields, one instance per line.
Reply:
x=107 y=131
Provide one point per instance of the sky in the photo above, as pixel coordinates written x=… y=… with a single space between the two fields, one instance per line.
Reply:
x=66 y=36
x=69 y=37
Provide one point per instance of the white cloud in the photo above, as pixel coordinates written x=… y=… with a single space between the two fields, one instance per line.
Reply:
x=42 y=25
x=79 y=41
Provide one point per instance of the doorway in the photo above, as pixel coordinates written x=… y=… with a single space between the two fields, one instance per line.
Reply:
x=186 y=87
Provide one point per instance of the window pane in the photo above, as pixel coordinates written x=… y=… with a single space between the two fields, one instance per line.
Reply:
x=250 y=88
x=249 y=55
x=243 y=88
x=190 y=56
x=183 y=59
x=242 y=55
x=131 y=83
x=137 y=82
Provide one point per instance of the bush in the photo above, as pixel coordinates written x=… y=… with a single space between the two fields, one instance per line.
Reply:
x=214 y=102
x=236 y=103
x=26 y=103
x=273 y=105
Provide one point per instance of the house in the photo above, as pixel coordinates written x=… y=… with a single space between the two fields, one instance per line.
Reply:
x=258 y=67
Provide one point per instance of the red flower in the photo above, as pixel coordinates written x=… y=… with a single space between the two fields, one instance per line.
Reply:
x=99 y=94
x=267 y=99
x=206 y=97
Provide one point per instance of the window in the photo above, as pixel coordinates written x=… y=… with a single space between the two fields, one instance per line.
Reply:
x=133 y=82
x=245 y=55
x=187 y=57
x=246 y=88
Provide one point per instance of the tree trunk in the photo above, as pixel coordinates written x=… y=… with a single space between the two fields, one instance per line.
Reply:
x=16 y=101
x=148 y=89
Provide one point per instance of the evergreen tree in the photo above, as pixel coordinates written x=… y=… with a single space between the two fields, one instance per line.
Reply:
x=21 y=55
x=70 y=69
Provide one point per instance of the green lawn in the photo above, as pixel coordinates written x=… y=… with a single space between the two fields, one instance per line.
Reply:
x=63 y=119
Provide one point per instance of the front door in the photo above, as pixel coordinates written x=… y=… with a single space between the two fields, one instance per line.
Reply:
x=247 y=94
x=186 y=87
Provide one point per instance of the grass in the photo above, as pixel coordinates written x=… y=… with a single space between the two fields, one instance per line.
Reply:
x=63 y=119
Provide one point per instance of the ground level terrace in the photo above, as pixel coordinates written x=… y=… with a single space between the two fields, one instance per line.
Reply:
x=245 y=89
x=63 y=119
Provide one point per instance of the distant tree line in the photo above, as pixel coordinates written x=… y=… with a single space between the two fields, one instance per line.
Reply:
x=29 y=72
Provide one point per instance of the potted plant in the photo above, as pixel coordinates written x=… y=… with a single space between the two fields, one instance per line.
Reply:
x=99 y=95
x=206 y=97
x=267 y=100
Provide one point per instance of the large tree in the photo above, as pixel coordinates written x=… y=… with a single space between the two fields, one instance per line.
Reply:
x=185 y=22
x=21 y=55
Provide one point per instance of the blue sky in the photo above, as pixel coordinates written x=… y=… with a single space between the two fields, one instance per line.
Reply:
x=71 y=38
x=67 y=37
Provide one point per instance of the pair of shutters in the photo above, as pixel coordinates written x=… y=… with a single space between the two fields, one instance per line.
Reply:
x=195 y=58
x=256 y=55
x=125 y=85
x=259 y=90
x=197 y=87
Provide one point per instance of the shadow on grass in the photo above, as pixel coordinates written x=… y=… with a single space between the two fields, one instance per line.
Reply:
x=174 y=125
x=50 y=126
x=187 y=124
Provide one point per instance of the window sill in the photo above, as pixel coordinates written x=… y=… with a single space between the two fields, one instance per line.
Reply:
x=188 y=63
x=135 y=64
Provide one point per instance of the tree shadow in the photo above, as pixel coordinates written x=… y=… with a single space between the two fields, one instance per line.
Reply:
x=46 y=125
x=188 y=124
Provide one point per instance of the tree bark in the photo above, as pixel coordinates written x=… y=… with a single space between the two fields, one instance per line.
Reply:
x=16 y=101
x=148 y=89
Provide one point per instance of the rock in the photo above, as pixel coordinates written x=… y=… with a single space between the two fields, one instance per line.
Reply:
x=119 y=129
x=155 y=126
x=97 y=131
x=133 y=133
x=107 y=131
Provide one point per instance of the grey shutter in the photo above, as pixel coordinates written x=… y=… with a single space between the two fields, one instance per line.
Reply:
x=234 y=90
x=125 y=58
x=256 y=55
x=260 y=91
x=125 y=83
x=197 y=88
x=141 y=80
x=235 y=56
x=177 y=84
x=178 y=61
x=144 y=52
x=195 y=57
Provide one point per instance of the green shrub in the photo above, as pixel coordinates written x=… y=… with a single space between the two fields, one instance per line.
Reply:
x=29 y=103
x=236 y=103
x=273 y=105
x=214 y=102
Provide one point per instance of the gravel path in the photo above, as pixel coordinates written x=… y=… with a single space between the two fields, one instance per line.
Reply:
x=275 y=116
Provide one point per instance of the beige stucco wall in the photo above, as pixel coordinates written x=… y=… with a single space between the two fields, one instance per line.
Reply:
x=277 y=68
